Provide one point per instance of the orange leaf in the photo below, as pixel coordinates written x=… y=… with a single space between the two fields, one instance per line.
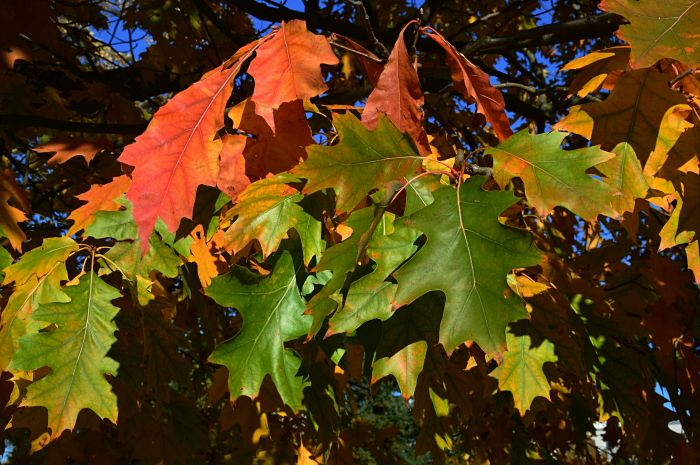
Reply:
x=287 y=67
x=179 y=151
x=70 y=148
x=232 y=178
x=204 y=258
x=398 y=95
x=98 y=198
x=269 y=152
x=474 y=85
x=9 y=215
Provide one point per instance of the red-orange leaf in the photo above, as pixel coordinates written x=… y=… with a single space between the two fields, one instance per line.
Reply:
x=399 y=96
x=474 y=85
x=179 y=151
x=287 y=67
x=69 y=148
x=98 y=198
x=232 y=178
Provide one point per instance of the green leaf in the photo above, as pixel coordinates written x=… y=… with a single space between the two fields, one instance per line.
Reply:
x=468 y=259
x=521 y=370
x=41 y=260
x=405 y=365
x=266 y=211
x=118 y=225
x=363 y=160
x=272 y=312
x=659 y=30
x=624 y=174
x=370 y=296
x=552 y=176
x=76 y=351
x=5 y=261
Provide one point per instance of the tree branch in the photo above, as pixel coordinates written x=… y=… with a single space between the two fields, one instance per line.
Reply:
x=10 y=120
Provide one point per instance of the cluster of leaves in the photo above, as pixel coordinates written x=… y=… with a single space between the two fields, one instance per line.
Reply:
x=239 y=279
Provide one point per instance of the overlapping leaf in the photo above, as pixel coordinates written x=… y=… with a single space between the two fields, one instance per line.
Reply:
x=552 y=176
x=405 y=365
x=9 y=215
x=287 y=67
x=659 y=29
x=632 y=113
x=266 y=211
x=599 y=69
x=370 y=296
x=272 y=313
x=624 y=175
x=399 y=96
x=469 y=253
x=76 y=351
x=521 y=370
x=98 y=198
x=179 y=151
x=363 y=160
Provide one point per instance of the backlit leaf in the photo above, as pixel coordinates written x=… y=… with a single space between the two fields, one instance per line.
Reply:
x=469 y=253
x=76 y=351
x=521 y=370
x=272 y=313
x=287 y=67
x=659 y=29
x=552 y=176
x=266 y=211
x=98 y=198
x=179 y=151
x=405 y=365
x=624 y=175
x=363 y=160
x=399 y=96
x=474 y=85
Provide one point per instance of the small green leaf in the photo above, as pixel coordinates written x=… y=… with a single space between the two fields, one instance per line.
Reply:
x=272 y=312
x=405 y=365
x=521 y=370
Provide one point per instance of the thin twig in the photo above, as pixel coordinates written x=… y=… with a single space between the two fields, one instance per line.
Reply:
x=352 y=50
x=685 y=73
x=368 y=27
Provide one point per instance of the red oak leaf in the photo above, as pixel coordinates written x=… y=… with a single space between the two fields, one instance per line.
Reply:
x=399 y=96
x=287 y=67
x=179 y=151
x=474 y=85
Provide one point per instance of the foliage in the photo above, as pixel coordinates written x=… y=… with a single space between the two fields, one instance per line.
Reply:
x=478 y=245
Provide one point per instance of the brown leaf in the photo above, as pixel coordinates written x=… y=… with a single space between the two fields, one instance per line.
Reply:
x=398 y=95
x=66 y=149
x=474 y=85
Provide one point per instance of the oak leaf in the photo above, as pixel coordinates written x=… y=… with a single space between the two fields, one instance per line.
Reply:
x=474 y=85
x=599 y=69
x=266 y=211
x=98 y=198
x=363 y=160
x=65 y=149
x=552 y=176
x=9 y=215
x=521 y=370
x=76 y=351
x=469 y=253
x=632 y=113
x=272 y=312
x=659 y=29
x=287 y=67
x=179 y=151
x=399 y=96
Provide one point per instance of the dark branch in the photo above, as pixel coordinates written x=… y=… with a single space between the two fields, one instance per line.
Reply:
x=8 y=120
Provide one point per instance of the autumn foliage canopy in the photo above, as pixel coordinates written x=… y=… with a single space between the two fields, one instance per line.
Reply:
x=225 y=247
